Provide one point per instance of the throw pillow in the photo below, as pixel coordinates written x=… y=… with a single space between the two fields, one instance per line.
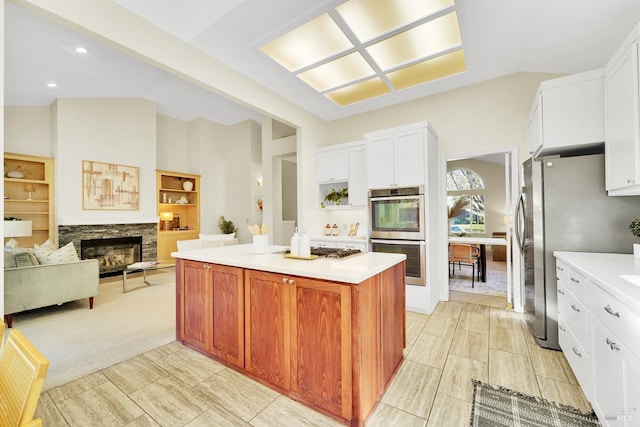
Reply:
x=25 y=256
x=43 y=251
x=67 y=253
x=9 y=260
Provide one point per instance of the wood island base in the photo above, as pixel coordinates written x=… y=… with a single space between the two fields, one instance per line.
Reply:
x=332 y=346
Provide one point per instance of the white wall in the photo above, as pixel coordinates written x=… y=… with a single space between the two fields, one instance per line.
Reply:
x=111 y=130
x=28 y=130
x=172 y=152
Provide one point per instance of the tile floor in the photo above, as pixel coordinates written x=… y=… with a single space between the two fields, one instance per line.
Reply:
x=175 y=386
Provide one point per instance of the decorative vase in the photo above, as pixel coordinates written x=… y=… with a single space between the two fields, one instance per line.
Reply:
x=187 y=185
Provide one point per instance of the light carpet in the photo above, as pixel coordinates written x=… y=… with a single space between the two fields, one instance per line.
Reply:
x=78 y=341
x=496 y=283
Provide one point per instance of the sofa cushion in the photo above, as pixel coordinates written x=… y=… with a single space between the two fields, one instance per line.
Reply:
x=48 y=255
x=19 y=257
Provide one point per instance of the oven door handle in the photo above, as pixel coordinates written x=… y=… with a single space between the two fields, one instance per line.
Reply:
x=400 y=242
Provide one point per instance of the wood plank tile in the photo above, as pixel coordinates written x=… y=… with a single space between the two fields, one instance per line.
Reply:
x=449 y=411
x=457 y=376
x=104 y=405
x=512 y=371
x=171 y=402
x=564 y=393
x=413 y=388
x=230 y=389
x=505 y=319
x=448 y=309
x=134 y=374
x=76 y=387
x=507 y=339
x=48 y=412
x=476 y=322
x=430 y=350
x=190 y=366
x=386 y=415
x=551 y=364
x=470 y=307
x=472 y=345
x=284 y=408
x=440 y=326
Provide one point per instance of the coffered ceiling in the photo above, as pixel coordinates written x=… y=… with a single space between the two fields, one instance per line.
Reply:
x=499 y=37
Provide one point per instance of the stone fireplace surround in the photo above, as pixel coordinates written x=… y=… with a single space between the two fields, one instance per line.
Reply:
x=76 y=233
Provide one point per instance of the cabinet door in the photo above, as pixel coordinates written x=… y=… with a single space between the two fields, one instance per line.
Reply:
x=408 y=158
x=267 y=337
x=167 y=243
x=195 y=299
x=607 y=373
x=357 y=177
x=321 y=344
x=227 y=339
x=380 y=162
x=534 y=127
x=332 y=165
x=621 y=121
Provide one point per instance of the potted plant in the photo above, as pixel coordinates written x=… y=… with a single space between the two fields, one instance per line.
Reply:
x=225 y=226
x=634 y=227
x=336 y=196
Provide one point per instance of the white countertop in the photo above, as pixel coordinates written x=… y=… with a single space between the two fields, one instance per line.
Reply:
x=354 y=269
x=614 y=273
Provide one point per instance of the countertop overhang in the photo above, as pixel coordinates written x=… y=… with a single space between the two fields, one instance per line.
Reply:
x=618 y=274
x=354 y=269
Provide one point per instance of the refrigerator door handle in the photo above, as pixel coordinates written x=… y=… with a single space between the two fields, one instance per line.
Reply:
x=520 y=222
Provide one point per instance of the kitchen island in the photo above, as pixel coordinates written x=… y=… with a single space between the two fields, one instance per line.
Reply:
x=328 y=333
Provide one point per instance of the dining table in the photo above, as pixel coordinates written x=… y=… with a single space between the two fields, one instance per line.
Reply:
x=482 y=242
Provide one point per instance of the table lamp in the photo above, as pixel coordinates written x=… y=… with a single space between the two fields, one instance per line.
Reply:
x=29 y=188
x=166 y=217
x=16 y=229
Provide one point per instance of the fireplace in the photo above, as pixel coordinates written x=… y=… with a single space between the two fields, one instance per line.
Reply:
x=113 y=254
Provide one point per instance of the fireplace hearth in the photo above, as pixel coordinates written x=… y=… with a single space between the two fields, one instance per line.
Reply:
x=113 y=254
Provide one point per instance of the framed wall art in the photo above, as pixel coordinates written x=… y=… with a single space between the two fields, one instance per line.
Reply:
x=110 y=186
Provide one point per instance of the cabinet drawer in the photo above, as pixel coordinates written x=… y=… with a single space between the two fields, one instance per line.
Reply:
x=617 y=316
x=561 y=271
x=575 y=354
x=576 y=284
x=576 y=318
x=562 y=296
x=362 y=246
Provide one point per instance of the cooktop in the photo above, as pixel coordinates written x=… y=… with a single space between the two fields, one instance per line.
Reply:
x=331 y=252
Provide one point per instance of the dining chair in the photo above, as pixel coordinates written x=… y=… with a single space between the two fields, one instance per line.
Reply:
x=22 y=372
x=467 y=255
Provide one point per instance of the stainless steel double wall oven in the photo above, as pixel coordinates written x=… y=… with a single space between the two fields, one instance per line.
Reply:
x=397 y=225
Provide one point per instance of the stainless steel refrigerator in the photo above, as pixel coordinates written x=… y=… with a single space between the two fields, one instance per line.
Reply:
x=564 y=207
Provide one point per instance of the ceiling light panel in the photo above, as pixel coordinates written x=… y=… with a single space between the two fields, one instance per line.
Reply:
x=441 y=66
x=336 y=73
x=369 y=19
x=308 y=44
x=428 y=39
x=358 y=92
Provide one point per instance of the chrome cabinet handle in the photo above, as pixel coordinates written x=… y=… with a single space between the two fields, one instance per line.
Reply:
x=290 y=281
x=561 y=327
x=612 y=344
x=608 y=309
x=560 y=291
x=559 y=267
x=575 y=308
x=631 y=181
x=284 y=280
x=207 y=267
x=574 y=280
x=577 y=352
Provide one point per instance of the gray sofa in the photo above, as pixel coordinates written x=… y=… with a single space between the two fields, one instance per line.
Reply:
x=26 y=288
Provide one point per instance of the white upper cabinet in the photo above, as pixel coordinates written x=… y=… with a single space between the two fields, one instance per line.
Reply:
x=396 y=157
x=342 y=166
x=567 y=114
x=622 y=120
x=332 y=165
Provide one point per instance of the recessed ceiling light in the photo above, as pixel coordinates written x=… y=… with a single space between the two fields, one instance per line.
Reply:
x=81 y=49
x=51 y=84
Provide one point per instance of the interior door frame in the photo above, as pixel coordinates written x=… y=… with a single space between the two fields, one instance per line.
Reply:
x=512 y=187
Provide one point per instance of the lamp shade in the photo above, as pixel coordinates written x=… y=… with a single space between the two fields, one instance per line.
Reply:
x=30 y=188
x=166 y=216
x=17 y=228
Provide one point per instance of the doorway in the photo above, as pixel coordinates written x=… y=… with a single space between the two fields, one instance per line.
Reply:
x=489 y=182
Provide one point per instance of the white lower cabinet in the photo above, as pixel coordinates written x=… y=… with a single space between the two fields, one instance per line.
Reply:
x=599 y=336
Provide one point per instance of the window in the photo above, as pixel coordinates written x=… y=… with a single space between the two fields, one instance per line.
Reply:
x=465 y=187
